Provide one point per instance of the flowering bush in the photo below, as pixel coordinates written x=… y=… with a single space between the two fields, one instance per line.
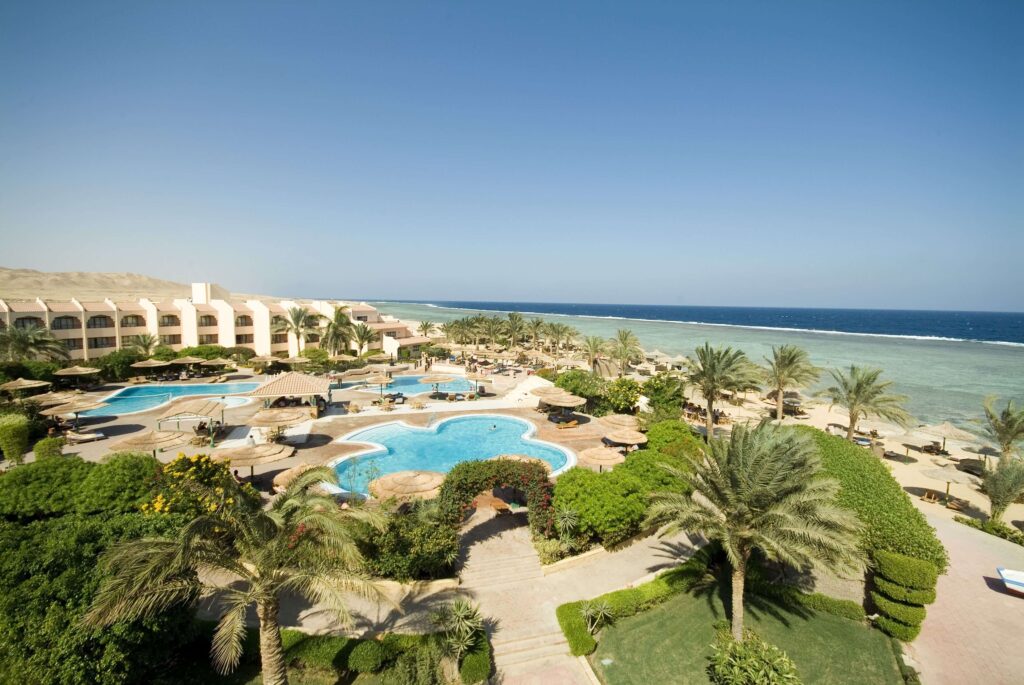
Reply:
x=196 y=485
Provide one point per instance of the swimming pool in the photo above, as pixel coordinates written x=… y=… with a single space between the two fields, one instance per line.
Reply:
x=410 y=385
x=146 y=397
x=401 y=447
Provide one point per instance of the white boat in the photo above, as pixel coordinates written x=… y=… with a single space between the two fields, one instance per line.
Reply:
x=1013 y=580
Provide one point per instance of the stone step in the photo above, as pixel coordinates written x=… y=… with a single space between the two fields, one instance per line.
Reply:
x=534 y=654
x=521 y=641
x=489 y=561
x=531 y=570
x=489 y=581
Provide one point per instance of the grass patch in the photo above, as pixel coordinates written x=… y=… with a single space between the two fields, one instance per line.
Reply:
x=671 y=644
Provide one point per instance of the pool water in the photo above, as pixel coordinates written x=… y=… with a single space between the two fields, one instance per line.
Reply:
x=442 y=446
x=410 y=385
x=146 y=397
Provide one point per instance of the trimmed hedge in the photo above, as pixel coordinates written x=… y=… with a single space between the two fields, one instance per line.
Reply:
x=891 y=522
x=366 y=657
x=909 y=614
x=816 y=601
x=14 y=432
x=993 y=527
x=900 y=593
x=338 y=653
x=575 y=629
x=900 y=631
x=906 y=571
x=48 y=448
x=476 y=663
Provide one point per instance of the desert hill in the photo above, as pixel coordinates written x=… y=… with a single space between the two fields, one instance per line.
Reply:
x=21 y=284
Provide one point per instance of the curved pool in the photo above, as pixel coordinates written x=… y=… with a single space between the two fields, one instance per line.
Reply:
x=146 y=397
x=410 y=385
x=397 y=446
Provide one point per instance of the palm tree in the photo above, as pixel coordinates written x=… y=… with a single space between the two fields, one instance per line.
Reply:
x=450 y=330
x=304 y=543
x=363 y=336
x=762 y=489
x=494 y=329
x=478 y=329
x=557 y=334
x=338 y=332
x=1004 y=429
x=1003 y=485
x=426 y=328
x=788 y=367
x=625 y=348
x=31 y=342
x=714 y=370
x=862 y=393
x=536 y=327
x=300 y=322
x=144 y=344
x=594 y=348
x=515 y=327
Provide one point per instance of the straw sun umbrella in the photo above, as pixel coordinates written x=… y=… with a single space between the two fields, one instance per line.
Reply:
x=279 y=418
x=948 y=475
x=219 y=361
x=150 y=364
x=547 y=391
x=295 y=360
x=264 y=359
x=378 y=379
x=23 y=384
x=152 y=441
x=436 y=380
x=407 y=485
x=50 y=399
x=343 y=358
x=253 y=455
x=620 y=421
x=624 y=436
x=946 y=431
x=601 y=457
x=75 y=407
x=188 y=361
x=76 y=371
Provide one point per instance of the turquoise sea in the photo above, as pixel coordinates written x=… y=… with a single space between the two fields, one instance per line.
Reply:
x=944 y=379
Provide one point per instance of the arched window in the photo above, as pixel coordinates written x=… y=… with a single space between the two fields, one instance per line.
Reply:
x=99 y=321
x=207 y=320
x=243 y=320
x=29 y=322
x=132 y=320
x=66 y=323
x=169 y=320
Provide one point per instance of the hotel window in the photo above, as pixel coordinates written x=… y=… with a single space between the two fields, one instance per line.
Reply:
x=99 y=321
x=132 y=321
x=313 y=337
x=361 y=318
x=98 y=343
x=277 y=321
x=65 y=323
x=207 y=320
x=243 y=320
x=170 y=339
x=210 y=339
x=73 y=343
x=26 y=322
x=244 y=339
x=170 y=320
x=279 y=338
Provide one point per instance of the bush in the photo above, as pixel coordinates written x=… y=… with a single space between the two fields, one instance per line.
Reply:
x=610 y=506
x=900 y=593
x=44 y=488
x=117 y=365
x=908 y=614
x=204 y=351
x=674 y=437
x=411 y=547
x=900 y=631
x=366 y=657
x=816 y=601
x=196 y=485
x=476 y=663
x=239 y=354
x=623 y=394
x=891 y=522
x=547 y=374
x=993 y=527
x=583 y=384
x=550 y=550
x=48 y=448
x=14 y=432
x=574 y=628
x=751 y=662
x=906 y=571
x=648 y=467
x=664 y=393
x=123 y=483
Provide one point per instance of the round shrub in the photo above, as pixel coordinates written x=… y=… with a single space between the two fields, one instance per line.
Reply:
x=476 y=664
x=48 y=448
x=610 y=506
x=648 y=467
x=900 y=631
x=906 y=571
x=751 y=662
x=366 y=657
x=909 y=614
x=44 y=488
x=122 y=483
x=900 y=593
x=14 y=431
x=675 y=438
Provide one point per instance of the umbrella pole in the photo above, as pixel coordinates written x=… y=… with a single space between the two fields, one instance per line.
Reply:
x=947 y=492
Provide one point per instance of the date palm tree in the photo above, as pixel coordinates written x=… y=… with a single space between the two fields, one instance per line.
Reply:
x=594 y=347
x=862 y=393
x=478 y=329
x=301 y=323
x=31 y=342
x=494 y=329
x=1005 y=429
x=1003 y=485
x=762 y=489
x=515 y=328
x=338 y=332
x=714 y=370
x=426 y=328
x=625 y=349
x=788 y=367
x=536 y=327
x=144 y=344
x=363 y=336
x=558 y=333
x=304 y=544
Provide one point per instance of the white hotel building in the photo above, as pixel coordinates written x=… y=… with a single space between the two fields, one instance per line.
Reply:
x=93 y=328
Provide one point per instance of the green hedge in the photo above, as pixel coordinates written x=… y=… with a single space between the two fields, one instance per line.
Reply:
x=366 y=657
x=610 y=507
x=47 y=448
x=575 y=629
x=909 y=614
x=901 y=593
x=476 y=663
x=14 y=432
x=906 y=571
x=997 y=528
x=900 y=631
x=338 y=653
x=891 y=522
x=844 y=608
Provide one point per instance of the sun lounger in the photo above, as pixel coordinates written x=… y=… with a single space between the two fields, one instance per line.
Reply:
x=1013 y=580
x=75 y=437
x=930 y=497
x=568 y=424
x=955 y=504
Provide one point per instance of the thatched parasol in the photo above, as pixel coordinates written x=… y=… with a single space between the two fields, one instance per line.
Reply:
x=620 y=421
x=946 y=431
x=295 y=360
x=407 y=485
x=378 y=379
x=624 y=436
x=548 y=391
x=219 y=361
x=23 y=384
x=50 y=399
x=601 y=457
x=253 y=455
x=949 y=475
x=264 y=359
x=76 y=371
x=343 y=358
x=150 y=364
x=188 y=360
x=436 y=380
x=523 y=458
x=75 y=406
x=285 y=478
x=565 y=401
x=280 y=418
x=152 y=441
x=379 y=358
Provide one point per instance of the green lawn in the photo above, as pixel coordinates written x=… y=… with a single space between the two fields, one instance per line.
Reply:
x=671 y=643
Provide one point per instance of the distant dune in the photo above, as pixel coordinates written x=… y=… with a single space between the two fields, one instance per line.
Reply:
x=21 y=284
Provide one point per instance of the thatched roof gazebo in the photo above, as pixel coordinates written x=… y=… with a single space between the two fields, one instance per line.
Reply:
x=406 y=485
x=293 y=384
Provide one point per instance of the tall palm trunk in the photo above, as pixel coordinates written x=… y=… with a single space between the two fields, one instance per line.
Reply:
x=851 y=427
x=739 y=576
x=271 y=649
x=778 y=404
x=709 y=420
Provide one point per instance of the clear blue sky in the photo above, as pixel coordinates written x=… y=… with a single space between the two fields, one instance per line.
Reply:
x=869 y=153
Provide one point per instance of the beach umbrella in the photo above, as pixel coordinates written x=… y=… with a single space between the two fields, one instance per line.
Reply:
x=407 y=485
x=76 y=371
x=522 y=458
x=151 y=441
x=280 y=418
x=219 y=361
x=365 y=371
x=295 y=360
x=150 y=364
x=253 y=455
x=343 y=358
x=566 y=401
x=949 y=475
x=478 y=378
x=379 y=379
x=75 y=407
x=285 y=478
x=625 y=436
x=188 y=361
x=23 y=384
x=50 y=399
x=620 y=421
x=436 y=380
x=946 y=430
x=601 y=457
x=548 y=391
x=264 y=359
x=379 y=358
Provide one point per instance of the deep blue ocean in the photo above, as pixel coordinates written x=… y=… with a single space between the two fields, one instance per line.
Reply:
x=1004 y=327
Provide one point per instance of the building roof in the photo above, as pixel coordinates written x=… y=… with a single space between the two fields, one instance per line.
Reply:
x=413 y=340
x=293 y=384
x=240 y=307
x=205 y=308
x=63 y=307
x=361 y=307
x=275 y=308
x=386 y=325
x=26 y=307
x=130 y=306
x=169 y=307
x=97 y=307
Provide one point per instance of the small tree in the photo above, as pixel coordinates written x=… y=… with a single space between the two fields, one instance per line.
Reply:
x=863 y=393
x=1005 y=429
x=1003 y=485
x=14 y=433
x=623 y=394
x=714 y=370
x=788 y=367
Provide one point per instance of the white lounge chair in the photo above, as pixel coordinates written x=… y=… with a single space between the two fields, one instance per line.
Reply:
x=73 y=437
x=1013 y=580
